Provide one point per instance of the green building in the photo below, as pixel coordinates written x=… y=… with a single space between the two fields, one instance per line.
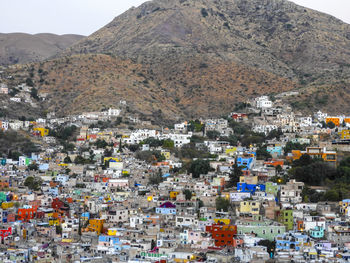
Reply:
x=266 y=229
x=286 y=218
x=271 y=188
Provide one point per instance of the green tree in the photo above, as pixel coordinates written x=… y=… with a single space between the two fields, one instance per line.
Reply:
x=168 y=143
x=33 y=167
x=34 y=93
x=29 y=82
x=101 y=143
x=331 y=195
x=188 y=194
x=213 y=134
x=58 y=230
x=235 y=175
x=278 y=169
x=33 y=183
x=262 y=153
x=153 y=142
x=80 y=160
x=222 y=204
x=67 y=159
x=294 y=146
x=157 y=178
x=331 y=125
x=199 y=167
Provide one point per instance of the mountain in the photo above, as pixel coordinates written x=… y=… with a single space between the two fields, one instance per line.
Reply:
x=23 y=48
x=190 y=58
x=273 y=35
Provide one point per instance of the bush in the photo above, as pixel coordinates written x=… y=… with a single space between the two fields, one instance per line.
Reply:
x=204 y=12
x=213 y=135
x=33 y=183
x=222 y=204
x=29 y=82
x=199 y=167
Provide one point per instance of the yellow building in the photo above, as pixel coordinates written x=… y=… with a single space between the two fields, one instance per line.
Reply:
x=112 y=231
x=335 y=120
x=6 y=205
x=344 y=206
x=115 y=159
x=248 y=179
x=224 y=221
x=43 y=132
x=166 y=155
x=54 y=222
x=345 y=134
x=173 y=194
x=249 y=207
x=95 y=225
x=231 y=151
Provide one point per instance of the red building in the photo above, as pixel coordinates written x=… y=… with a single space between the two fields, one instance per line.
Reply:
x=5 y=232
x=25 y=214
x=239 y=116
x=11 y=218
x=60 y=206
x=223 y=235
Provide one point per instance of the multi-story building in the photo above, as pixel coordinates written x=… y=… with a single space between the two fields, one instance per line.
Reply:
x=291 y=192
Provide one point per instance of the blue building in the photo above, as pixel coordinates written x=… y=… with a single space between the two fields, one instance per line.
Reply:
x=290 y=240
x=53 y=191
x=245 y=162
x=62 y=178
x=317 y=232
x=166 y=208
x=44 y=167
x=250 y=188
x=112 y=241
x=275 y=150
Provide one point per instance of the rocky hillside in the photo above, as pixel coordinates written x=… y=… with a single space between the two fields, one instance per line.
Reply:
x=23 y=48
x=189 y=58
x=93 y=82
x=277 y=36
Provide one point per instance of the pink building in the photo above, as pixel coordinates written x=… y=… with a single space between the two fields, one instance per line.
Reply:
x=118 y=183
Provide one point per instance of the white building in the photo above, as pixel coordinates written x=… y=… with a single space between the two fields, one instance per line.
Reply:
x=15 y=99
x=180 y=127
x=263 y=102
x=113 y=112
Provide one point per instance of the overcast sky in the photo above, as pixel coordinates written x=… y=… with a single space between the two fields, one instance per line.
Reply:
x=86 y=16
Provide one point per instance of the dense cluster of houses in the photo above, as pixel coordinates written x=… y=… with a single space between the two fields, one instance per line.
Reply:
x=99 y=202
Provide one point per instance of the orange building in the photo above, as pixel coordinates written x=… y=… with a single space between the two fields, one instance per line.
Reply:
x=335 y=120
x=223 y=235
x=25 y=214
x=274 y=163
x=95 y=225
x=4 y=185
x=316 y=152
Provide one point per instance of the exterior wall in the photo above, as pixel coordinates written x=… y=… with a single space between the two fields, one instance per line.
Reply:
x=263 y=231
x=222 y=234
x=249 y=207
x=286 y=218
x=335 y=120
x=166 y=211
